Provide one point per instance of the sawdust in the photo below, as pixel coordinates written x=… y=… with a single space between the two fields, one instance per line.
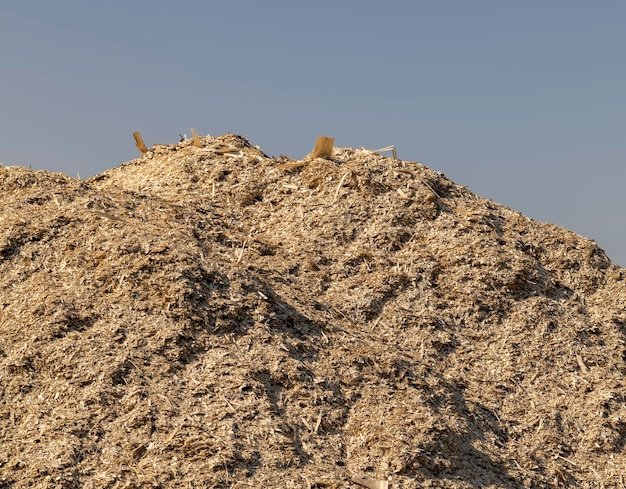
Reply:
x=212 y=317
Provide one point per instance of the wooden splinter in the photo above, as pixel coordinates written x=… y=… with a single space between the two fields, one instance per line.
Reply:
x=195 y=138
x=139 y=143
x=323 y=147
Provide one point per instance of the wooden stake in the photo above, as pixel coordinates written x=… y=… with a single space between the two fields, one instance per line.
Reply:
x=323 y=147
x=196 y=139
x=139 y=143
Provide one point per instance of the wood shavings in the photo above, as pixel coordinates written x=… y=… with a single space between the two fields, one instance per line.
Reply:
x=371 y=483
x=202 y=317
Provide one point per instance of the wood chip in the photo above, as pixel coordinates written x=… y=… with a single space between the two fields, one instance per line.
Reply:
x=371 y=483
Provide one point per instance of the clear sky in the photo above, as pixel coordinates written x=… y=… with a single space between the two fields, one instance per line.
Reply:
x=521 y=101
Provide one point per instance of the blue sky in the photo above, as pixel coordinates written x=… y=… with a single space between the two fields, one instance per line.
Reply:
x=521 y=101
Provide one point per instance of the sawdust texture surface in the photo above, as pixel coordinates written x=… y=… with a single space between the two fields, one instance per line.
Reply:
x=208 y=316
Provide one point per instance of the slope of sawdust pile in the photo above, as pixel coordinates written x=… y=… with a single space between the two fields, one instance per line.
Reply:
x=212 y=317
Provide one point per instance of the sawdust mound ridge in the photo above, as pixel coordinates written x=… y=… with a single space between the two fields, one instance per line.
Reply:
x=212 y=317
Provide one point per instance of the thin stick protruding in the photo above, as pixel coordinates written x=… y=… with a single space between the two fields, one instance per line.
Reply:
x=141 y=146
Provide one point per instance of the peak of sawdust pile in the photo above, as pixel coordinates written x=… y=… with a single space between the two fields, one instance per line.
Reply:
x=212 y=317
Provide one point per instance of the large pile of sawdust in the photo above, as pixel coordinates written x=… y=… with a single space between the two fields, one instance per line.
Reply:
x=212 y=317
